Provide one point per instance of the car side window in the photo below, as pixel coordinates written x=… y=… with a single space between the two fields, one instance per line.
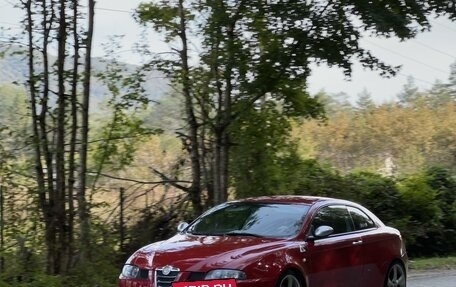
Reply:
x=335 y=216
x=360 y=219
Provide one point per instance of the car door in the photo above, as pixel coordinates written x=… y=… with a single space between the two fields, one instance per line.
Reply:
x=336 y=260
x=376 y=247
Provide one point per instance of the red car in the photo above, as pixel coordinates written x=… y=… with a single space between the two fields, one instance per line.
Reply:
x=278 y=241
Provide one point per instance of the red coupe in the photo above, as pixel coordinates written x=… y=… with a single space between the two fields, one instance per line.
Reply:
x=278 y=241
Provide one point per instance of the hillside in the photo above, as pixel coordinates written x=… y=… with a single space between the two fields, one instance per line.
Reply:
x=14 y=70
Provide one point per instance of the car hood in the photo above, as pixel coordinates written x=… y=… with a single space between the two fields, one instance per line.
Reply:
x=203 y=253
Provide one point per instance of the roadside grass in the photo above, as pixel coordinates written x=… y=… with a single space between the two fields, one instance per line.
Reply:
x=434 y=263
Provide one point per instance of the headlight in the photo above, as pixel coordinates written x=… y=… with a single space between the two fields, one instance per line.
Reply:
x=225 y=274
x=130 y=271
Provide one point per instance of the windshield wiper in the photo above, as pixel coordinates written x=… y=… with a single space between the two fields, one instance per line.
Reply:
x=206 y=233
x=241 y=233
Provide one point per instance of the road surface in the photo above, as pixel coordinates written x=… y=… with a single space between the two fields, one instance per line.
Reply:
x=443 y=278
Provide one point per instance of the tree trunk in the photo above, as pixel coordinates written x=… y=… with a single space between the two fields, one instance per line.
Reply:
x=73 y=136
x=56 y=128
x=83 y=210
x=193 y=148
x=2 y=241
x=224 y=118
x=45 y=205
x=60 y=176
x=121 y=220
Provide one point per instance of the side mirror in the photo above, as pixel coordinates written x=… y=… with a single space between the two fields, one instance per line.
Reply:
x=182 y=226
x=323 y=231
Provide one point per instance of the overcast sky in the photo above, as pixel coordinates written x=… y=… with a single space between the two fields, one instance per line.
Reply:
x=427 y=58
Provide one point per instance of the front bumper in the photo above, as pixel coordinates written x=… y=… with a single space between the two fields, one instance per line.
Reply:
x=240 y=283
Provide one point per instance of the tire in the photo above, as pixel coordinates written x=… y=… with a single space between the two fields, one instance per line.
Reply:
x=290 y=279
x=396 y=276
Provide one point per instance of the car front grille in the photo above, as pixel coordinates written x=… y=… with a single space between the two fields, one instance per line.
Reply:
x=162 y=280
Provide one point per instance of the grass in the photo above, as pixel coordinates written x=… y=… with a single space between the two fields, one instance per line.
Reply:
x=420 y=264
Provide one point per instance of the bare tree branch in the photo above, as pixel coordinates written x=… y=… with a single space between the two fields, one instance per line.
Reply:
x=164 y=181
x=170 y=181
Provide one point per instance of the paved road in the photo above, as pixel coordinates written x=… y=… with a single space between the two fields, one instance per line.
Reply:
x=446 y=278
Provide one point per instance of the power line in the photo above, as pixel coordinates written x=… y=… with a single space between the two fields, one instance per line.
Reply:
x=407 y=57
x=415 y=78
x=17 y=25
x=384 y=48
x=7 y=3
x=113 y=10
x=434 y=49
x=443 y=25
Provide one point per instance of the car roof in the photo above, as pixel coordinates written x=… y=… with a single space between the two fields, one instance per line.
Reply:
x=294 y=199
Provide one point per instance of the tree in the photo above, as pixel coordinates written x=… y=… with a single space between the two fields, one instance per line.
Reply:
x=365 y=101
x=13 y=106
x=444 y=92
x=258 y=50
x=59 y=111
x=377 y=193
x=172 y=18
x=441 y=241
x=320 y=180
x=451 y=86
x=419 y=207
x=409 y=94
x=264 y=160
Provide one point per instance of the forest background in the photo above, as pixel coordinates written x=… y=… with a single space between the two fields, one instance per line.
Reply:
x=98 y=158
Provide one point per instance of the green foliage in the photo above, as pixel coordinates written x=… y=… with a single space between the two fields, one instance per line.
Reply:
x=365 y=101
x=376 y=192
x=13 y=116
x=257 y=51
x=102 y=270
x=409 y=94
x=156 y=223
x=24 y=263
x=122 y=132
x=419 y=208
x=24 y=266
x=434 y=263
x=250 y=81
x=163 y=17
x=119 y=139
x=319 y=180
x=259 y=152
x=36 y=280
x=422 y=199
x=411 y=136
x=444 y=184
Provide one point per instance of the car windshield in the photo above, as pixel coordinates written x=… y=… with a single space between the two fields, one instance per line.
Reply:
x=251 y=219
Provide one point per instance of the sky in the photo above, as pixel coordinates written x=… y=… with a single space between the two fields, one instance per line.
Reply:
x=426 y=58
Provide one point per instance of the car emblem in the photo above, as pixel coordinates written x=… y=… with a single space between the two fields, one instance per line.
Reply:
x=167 y=269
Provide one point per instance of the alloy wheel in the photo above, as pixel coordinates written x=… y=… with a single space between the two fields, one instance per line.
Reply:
x=289 y=280
x=396 y=276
